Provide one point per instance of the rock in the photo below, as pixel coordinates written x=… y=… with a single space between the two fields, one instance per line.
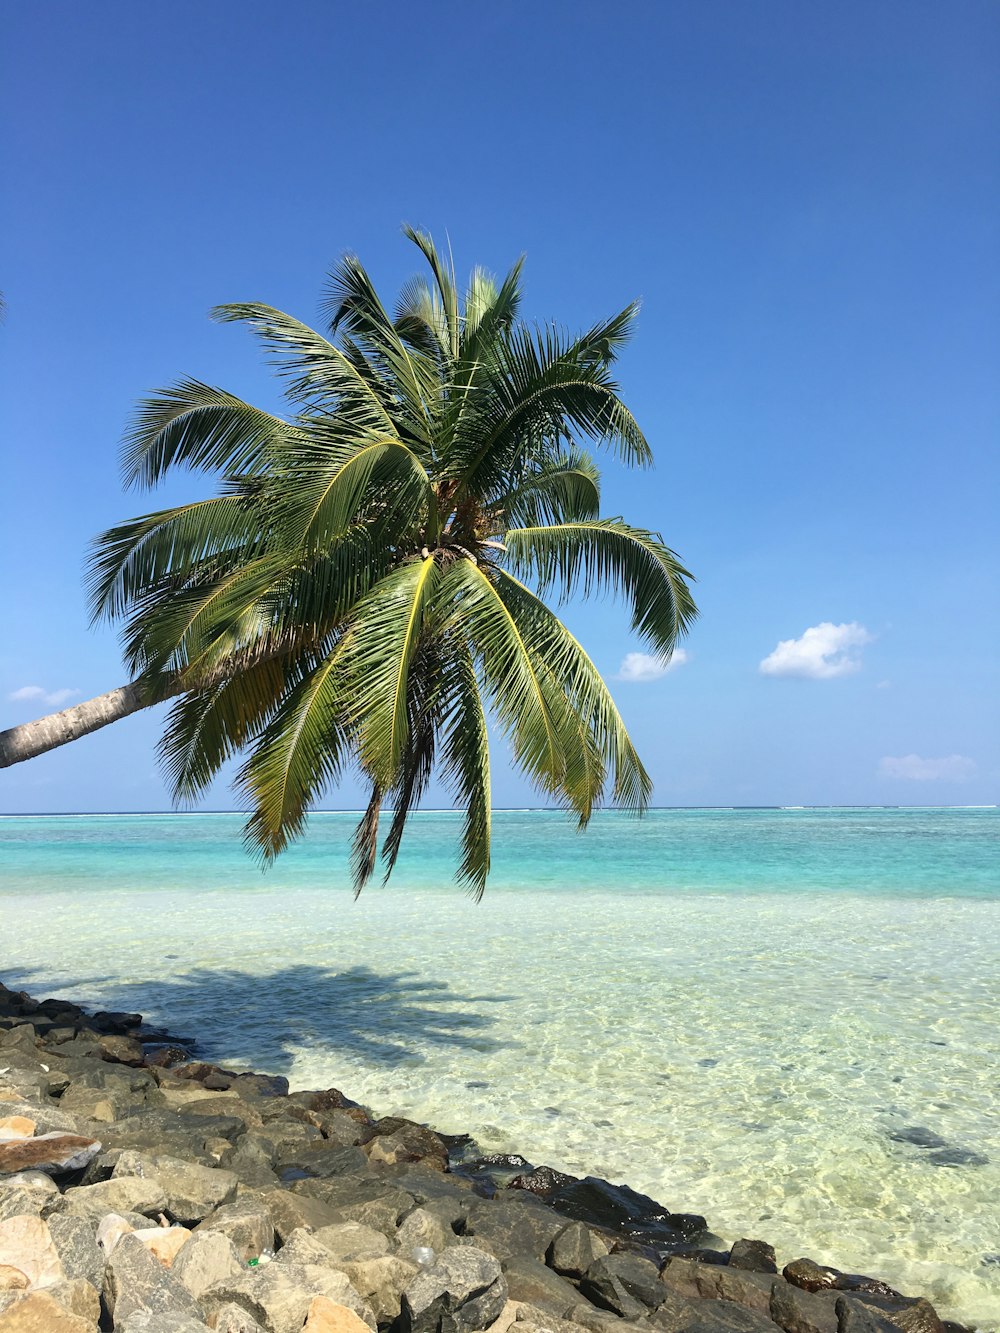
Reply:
x=53 y=1153
x=710 y=1281
x=798 y=1311
x=678 y=1315
x=351 y=1241
x=115 y=1020
x=26 y=1244
x=521 y=1226
x=380 y=1282
x=535 y=1284
x=94 y=1103
x=919 y=1135
x=192 y=1191
x=908 y=1315
x=464 y=1290
x=574 y=1249
x=326 y=1316
x=542 y=1180
x=853 y=1317
x=207 y=1258
x=162 y=1057
x=247 y=1224
x=16 y=1127
x=613 y=1274
x=12 y=1279
x=810 y=1276
x=620 y=1209
x=425 y=1229
x=110 y=1230
x=320 y=1158
x=278 y=1296
x=957 y=1157
x=234 y=1319
x=406 y=1141
x=337 y=1127
x=77 y=1247
x=755 y=1255
x=143 y=1322
x=290 y=1211
x=122 y=1050
x=127 y=1194
x=78 y=1296
x=39 y=1313
x=134 y=1280
x=163 y=1243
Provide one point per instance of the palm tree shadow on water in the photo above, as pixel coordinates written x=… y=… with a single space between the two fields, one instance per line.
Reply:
x=267 y=1021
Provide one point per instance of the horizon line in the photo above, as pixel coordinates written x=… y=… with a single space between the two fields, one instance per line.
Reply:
x=497 y=809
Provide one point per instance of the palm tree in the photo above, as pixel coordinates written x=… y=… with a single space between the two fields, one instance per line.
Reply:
x=366 y=587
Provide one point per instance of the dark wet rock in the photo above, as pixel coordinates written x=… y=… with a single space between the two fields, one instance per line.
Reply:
x=500 y=1161
x=166 y=1056
x=919 y=1135
x=625 y=1284
x=121 y=1050
x=810 y=1276
x=957 y=1157
x=247 y=1223
x=136 y=1281
x=543 y=1181
x=680 y=1315
x=853 y=1317
x=708 y=1281
x=706 y=1256
x=909 y=1315
x=574 y=1249
x=519 y=1226
x=620 y=1209
x=54 y=1153
x=395 y=1139
x=535 y=1284
x=115 y=1021
x=463 y=1291
x=797 y=1311
x=756 y=1255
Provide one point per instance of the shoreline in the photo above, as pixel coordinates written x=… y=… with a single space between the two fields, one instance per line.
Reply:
x=646 y=1259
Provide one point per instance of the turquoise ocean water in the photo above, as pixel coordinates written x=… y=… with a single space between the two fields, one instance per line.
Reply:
x=737 y=1011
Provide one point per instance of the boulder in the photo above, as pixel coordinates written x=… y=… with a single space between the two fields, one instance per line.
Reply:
x=192 y=1191
x=12 y=1279
x=208 y=1257
x=326 y=1316
x=518 y=1226
x=127 y=1194
x=616 y=1208
x=799 y=1311
x=463 y=1291
x=909 y=1315
x=134 y=1281
x=679 y=1315
x=624 y=1283
x=278 y=1295
x=76 y=1244
x=755 y=1255
x=122 y=1050
x=26 y=1244
x=163 y=1243
x=247 y=1224
x=289 y=1211
x=234 y=1319
x=424 y=1229
x=404 y=1140
x=532 y=1282
x=144 y=1322
x=810 y=1276
x=853 y=1317
x=54 y=1153
x=320 y=1158
x=574 y=1249
x=380 y=1282
x=39 y=1313
x=351 y=1241
x=715 y=1282
x=78 y=1296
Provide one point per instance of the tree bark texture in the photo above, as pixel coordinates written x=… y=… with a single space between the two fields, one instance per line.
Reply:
x=47 y=733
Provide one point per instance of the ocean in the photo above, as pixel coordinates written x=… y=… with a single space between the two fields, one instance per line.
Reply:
x=744 y=1013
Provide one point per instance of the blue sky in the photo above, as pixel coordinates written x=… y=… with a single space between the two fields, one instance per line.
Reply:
x=805 y=199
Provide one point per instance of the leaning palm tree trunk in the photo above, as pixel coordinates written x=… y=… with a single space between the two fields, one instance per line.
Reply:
x=48 y=733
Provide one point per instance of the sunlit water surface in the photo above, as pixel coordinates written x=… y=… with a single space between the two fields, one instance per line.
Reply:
x=730 y=1010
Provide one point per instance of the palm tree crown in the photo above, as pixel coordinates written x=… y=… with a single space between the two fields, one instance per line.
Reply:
x=366 y=586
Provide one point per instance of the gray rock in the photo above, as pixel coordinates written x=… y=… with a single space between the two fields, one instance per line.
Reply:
x=278 y=1295
x=135 y=1281
x=505 y=1228
x=145 y=1322
x=464 y=1290
x=574 y=1249
x=320 y=1159
x=234 y=1319
x=131 y=1194
x=192 y=1191
x=425 y=1229
x=207 y=1258
x=247 y=1224
x=679 y=1315
x=957 y=1157
x=77 y=1247
x=909 y=1315
x=289 y=1211
x=798 y=1311
x=755 y=1255
x=715 y=1282
x=624 y=1283
x=853 y=1317
x=535 y=1284
x=380 y=1282
x=350 y=1241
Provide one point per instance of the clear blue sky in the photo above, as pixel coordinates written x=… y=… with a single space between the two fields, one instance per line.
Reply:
x=805 y=198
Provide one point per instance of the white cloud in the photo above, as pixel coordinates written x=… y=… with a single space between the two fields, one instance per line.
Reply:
x=823 y=652
x=49 y=698
x=639 y=667
x=912 y=767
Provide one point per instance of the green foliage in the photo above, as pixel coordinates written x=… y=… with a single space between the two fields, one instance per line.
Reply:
x=357 y=592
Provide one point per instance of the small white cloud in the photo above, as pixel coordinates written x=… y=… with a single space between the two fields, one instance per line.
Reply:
x=639 y=667
x=884 y=685
x=823 y=652
x=912 y=767
x=49 y=698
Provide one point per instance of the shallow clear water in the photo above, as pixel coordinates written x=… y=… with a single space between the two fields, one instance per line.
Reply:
x=730 y=1010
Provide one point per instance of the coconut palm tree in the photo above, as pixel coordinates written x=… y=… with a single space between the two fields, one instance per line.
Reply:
x=365 y=589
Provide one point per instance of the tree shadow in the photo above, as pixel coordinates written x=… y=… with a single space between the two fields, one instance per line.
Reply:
x=266 y=1022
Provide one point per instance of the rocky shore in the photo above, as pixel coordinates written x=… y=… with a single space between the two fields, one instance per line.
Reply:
x=145 y=1191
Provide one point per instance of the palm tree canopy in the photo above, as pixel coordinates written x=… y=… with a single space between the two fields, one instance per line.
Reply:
x=365 y=589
